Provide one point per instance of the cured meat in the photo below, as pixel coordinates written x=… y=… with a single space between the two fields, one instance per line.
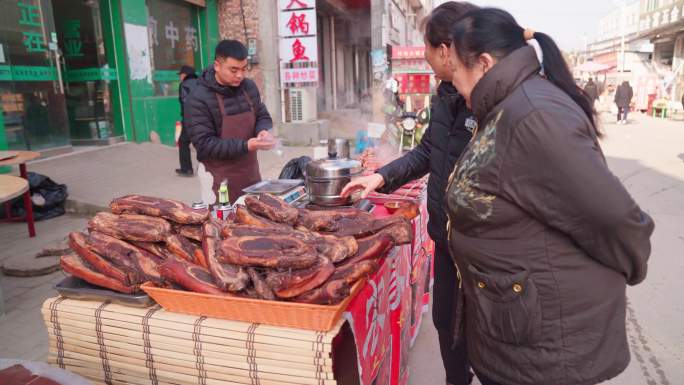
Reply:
x=400 y=229
x=246 y=217
x=20 y=375
x=354 y=272
x=239 y=230
x=337 y=249
x=181 y=247
x=189 y=231
x=135 y=260
x=260 y=286
x=273 y=208
x=189 y=276
x=165 y=208
x=227 y=277
x=77 y=267
x=331 y=293
x=371 y=247
x=274 y=251
x=288 y=284
x=78 y=243
x=335 y=221
x=131 y=227
x=156 y=248
x=357 y=223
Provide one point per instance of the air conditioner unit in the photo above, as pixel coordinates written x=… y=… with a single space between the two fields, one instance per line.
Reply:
x=302 y=104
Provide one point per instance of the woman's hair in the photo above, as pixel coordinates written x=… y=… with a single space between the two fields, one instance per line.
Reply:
x=495 y=31
x=437 y=25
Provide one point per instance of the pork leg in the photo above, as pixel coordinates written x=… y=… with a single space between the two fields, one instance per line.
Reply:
x=169 y=209
x=138 y=260
x=131 y=227
x=227 y=277
x=272 y=208
x=290 y=284
x=78 y=243
x=352 y=273
x=181 y=247
x=75 y=266
x=189 y=276
x=371 y=247
x=262 y=289
x=331 y=293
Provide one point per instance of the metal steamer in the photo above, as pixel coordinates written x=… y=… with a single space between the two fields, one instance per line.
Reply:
x=325 y=178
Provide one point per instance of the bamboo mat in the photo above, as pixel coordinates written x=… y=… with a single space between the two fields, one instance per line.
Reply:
x=114 y=344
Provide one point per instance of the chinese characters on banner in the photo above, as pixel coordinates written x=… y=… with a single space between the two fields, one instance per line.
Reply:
x=172 y=34
x=298 y=43
x=31 y=21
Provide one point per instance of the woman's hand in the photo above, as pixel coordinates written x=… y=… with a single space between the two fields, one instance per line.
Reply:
x=366 y=183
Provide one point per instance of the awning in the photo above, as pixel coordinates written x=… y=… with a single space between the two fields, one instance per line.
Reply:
x=592 y=66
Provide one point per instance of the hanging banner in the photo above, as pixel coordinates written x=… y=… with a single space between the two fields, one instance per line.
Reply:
x=298 y=45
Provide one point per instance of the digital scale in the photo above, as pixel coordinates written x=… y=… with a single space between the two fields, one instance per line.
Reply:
x=289 y=190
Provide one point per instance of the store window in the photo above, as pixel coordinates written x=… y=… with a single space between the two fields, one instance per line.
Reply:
x=88 y=77
x=31 y=89
x=174 y=42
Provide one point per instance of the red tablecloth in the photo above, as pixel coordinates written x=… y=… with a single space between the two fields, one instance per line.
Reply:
x=386 y=315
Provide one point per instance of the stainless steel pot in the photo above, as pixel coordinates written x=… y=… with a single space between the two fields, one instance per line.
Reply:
x=338 y=148
x=325 y=179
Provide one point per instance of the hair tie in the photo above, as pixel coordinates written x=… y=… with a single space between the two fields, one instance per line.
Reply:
x=528 y=34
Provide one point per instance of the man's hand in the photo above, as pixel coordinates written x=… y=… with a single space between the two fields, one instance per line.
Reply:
x=256 y=144
x=265 y=136
x=366 y=183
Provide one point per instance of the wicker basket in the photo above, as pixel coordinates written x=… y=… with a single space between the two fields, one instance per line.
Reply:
x=277 y=313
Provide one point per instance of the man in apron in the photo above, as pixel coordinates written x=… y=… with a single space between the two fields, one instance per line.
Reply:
x=227 y=121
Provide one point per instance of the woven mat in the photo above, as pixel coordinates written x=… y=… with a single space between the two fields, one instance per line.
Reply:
x=114 y=344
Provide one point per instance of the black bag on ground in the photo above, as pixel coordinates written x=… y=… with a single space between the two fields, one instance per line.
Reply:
x=294 y=169
x=47 y=198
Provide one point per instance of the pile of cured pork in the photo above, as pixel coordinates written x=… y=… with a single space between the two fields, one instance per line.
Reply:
x=267 y=250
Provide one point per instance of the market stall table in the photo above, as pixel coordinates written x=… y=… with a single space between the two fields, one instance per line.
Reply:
x=11 y=158
x=112 y=344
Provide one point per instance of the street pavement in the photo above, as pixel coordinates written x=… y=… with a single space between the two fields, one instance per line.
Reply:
x=647 y=155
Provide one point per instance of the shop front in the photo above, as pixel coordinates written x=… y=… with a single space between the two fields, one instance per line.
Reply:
x=89 y=72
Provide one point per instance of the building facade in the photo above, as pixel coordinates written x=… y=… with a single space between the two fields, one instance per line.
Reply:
x=350 y=36
x=76 y=72
x=662 y=22
x=91 y=72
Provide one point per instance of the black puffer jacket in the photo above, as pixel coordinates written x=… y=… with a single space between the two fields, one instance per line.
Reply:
x=202 y=116
x=184 y=89
x=438 y=151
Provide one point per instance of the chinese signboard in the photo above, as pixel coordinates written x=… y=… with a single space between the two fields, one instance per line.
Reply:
x=661 y=17
x=31 y=23
x=298 y=48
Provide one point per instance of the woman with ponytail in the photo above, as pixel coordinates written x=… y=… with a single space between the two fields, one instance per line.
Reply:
x=544 y=236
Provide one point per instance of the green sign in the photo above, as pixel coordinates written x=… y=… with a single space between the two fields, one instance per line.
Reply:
x=73 y=45
x=33 y=40
x=5 y=73
x=28 y=73
x=165 y=76
x=90 y=74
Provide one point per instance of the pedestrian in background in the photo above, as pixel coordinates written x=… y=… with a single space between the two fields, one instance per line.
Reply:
x=623 y=100
x=447 y=135
x=188 y=79
x=591 y=89
x=544 y=236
